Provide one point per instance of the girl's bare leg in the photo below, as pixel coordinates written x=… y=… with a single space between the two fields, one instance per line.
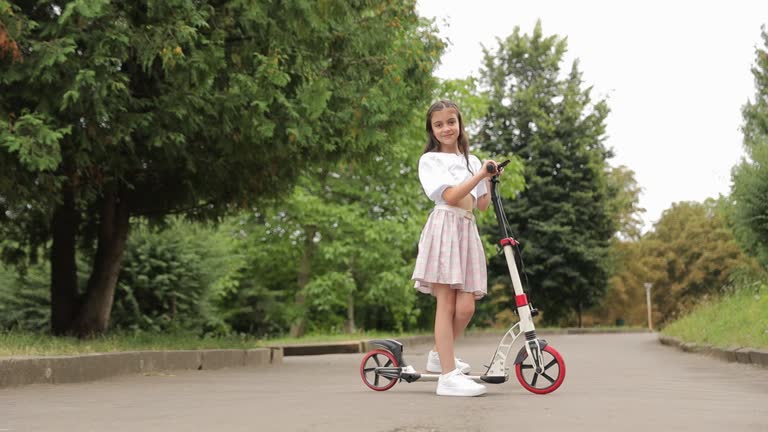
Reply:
x=444 y=319
x=465 y=308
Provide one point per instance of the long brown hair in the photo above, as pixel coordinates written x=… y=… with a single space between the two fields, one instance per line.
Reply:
x=433 y=144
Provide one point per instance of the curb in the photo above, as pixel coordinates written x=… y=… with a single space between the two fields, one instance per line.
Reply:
x=350 y=347
x=17 y=371
x=744 y=355
x=322 y=348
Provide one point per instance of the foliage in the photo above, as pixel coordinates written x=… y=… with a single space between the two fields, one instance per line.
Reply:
x=563 y=218
x=625 y=202
x=116 y=109
x=472 y=101
x=699 y=255
x=24 y=301
x=689 y=257
x=169 y=276
x=338 y=253
x=749 y=189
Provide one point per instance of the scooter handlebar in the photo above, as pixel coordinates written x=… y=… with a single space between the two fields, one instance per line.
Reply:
x=493 y=169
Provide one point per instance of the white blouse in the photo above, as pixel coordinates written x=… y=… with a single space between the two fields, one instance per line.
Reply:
x=438 y=171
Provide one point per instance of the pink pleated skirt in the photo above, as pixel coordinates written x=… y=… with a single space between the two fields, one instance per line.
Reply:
x=451 y=253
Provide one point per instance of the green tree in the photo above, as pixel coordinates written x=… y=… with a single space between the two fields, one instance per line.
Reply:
x=110 y=110
x=699 y=256
x=749 y=190
x=633 y=264
x=563 y=217
x=627 y=262
x=338 y=254
x=624 y=203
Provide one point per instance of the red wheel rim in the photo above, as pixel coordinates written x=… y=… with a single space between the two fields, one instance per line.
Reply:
x=377 y=358
x=549 y=365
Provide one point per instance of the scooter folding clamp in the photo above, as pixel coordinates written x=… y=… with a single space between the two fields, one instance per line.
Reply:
x=508 y=241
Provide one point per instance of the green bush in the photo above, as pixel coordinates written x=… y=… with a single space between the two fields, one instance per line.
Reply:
x=168 y=279
x=25 y=299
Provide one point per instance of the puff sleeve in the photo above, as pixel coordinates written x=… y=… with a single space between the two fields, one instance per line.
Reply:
x=481 y=188
x=434 y=177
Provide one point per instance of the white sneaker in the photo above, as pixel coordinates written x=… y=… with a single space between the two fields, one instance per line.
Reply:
x=455 y=383
x=433 y=364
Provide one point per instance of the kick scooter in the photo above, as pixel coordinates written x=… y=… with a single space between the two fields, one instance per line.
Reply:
x=538 y=367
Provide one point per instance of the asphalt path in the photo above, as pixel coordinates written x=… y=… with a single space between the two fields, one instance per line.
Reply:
x=614 y=382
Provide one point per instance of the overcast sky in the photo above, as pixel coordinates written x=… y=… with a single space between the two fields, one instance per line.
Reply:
x=675 y=73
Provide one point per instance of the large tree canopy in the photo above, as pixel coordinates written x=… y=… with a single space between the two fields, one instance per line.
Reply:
x=564 y=217
x=114 y=109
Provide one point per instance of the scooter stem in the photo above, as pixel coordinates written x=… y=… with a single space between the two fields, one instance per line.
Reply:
x=532 y=345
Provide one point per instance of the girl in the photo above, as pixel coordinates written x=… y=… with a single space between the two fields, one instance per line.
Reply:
x=451 y=262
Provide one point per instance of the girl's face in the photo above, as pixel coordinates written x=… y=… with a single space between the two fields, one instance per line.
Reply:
x=446 y=127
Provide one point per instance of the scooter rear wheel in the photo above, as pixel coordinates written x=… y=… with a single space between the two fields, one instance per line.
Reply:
x=372 y=360
x=547 y=381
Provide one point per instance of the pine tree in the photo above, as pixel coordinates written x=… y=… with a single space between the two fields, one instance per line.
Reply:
x=563 y=217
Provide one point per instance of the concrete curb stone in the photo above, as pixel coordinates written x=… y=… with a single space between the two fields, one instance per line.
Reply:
x=348 y=347
x=742 y=355
x=258 y=357
x=221 y=358
x=276 y=355
x=91 y=367
x=731 y=354
x=20 y=371
x=181 y=359
x=17 y=371
x=759 y=357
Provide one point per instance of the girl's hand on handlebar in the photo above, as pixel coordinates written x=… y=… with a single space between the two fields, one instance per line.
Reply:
x=490 y=168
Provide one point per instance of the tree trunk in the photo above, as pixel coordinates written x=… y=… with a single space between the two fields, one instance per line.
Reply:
x=579 y=312
x=64 y=290
x=350 y=326
x=113 y=233
x=305 y=266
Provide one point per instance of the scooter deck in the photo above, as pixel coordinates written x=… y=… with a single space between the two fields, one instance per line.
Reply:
x=428 y=376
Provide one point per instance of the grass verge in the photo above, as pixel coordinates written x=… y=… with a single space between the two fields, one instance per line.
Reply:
x=736 y=320
x=31 y=344
x=16 y=343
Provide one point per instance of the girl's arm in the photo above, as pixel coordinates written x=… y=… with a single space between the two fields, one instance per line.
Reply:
x=454 y=194
x=484 y=201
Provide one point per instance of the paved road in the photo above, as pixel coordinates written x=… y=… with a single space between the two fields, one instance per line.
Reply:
x=625 y=382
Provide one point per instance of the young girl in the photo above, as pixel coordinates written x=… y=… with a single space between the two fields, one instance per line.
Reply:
x=451 y=262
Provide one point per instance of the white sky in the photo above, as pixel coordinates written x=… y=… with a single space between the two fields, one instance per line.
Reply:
x=675 y=73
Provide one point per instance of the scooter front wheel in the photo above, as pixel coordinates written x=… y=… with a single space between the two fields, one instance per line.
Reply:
x=549 y=379
x=375 y=359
